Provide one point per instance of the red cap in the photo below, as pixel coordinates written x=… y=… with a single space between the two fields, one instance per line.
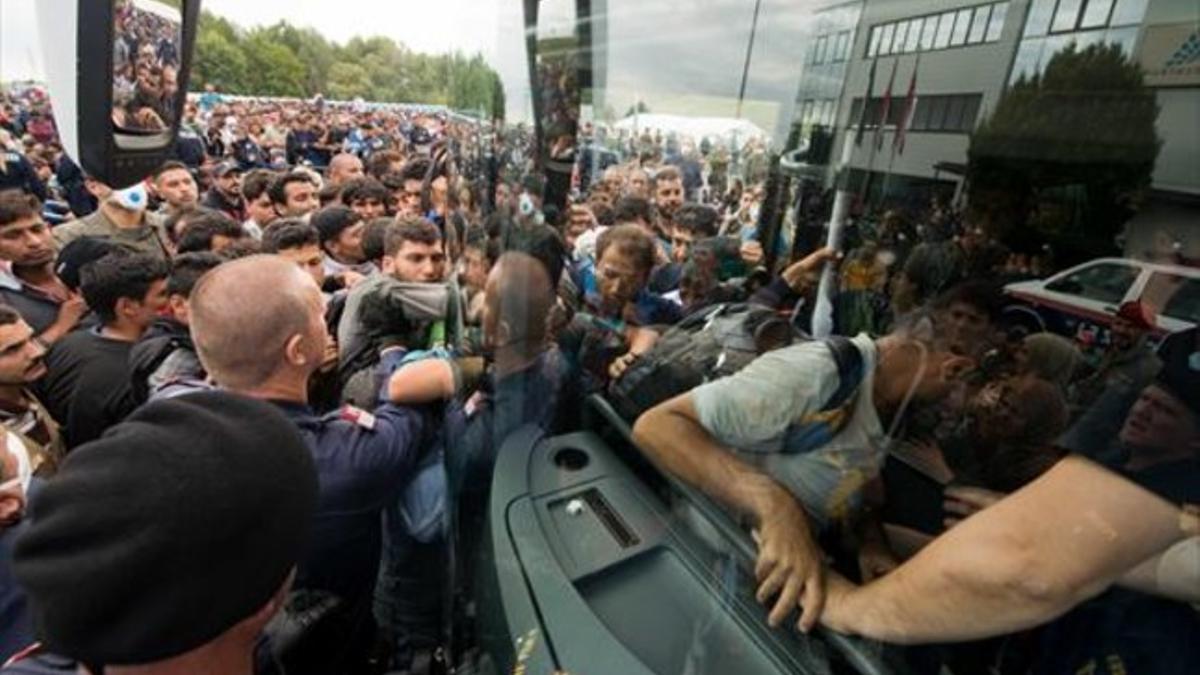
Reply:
x=1139 y=314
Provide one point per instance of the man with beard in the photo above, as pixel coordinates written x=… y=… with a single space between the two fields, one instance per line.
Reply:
x=29 y=283
x=668 y=197
x=174 y=185
x=225 y=195
x=21 y=366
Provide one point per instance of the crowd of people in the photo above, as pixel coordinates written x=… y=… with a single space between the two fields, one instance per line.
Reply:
x=145 y=68
x=379 y=296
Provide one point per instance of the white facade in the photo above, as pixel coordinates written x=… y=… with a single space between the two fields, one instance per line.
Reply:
x=1032 y=30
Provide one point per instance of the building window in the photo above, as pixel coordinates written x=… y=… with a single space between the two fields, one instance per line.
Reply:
x=1052 y=25
x=945 y=25
x=996 y=23
x=979 y=24
x=1038 y=21
x=901 y=37
x=912 y=44
x=873 y=43
x=928 y=33
x=841 y=49
x=1066 y=16
x=955 y=28
x=1128 y=12
x=962 y=23
x=885 y=39
x=822 y=45
x=1096 y=13
x=953 y=113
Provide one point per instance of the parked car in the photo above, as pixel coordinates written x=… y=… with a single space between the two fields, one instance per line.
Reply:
x=1080 y=302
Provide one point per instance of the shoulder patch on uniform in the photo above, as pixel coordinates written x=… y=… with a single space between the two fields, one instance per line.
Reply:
x=357 y=416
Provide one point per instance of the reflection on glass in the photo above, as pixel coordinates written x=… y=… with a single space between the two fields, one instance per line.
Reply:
x=1096 y=13
x=901 y=36
x=914 y=35
x=928 y=33
x=962 y=21
x=146 y=54
x=1029 y=55
x=1124 y=38
x=1066 y=17
x=979 y=24
x=1128 y=11
x=885 y=45
x=1085 y=39
x=1038 y=22
x=945 y=26
x=996 y=25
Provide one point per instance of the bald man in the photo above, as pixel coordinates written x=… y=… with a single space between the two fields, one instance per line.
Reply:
x=344 y=167
x=259 y=328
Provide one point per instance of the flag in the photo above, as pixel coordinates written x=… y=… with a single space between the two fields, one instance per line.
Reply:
x=910 y=104
x=866 y=103
x=886 y=107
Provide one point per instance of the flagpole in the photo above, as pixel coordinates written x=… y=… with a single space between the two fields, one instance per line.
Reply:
x=877 y=138
x=822 y=318
x=900 y=137
x=860 y=131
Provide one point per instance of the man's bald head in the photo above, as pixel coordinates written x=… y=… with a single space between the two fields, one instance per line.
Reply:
x=246 y=313
x=344 y=167
x=518 y=298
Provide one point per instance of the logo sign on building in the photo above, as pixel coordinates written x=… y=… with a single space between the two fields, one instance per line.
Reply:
x=1170 y=55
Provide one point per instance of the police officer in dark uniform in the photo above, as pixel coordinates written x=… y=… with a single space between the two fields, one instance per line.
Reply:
x=17 y=172
x=259 y=330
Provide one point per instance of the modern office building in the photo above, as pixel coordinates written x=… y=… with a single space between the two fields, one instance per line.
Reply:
x=964 y=55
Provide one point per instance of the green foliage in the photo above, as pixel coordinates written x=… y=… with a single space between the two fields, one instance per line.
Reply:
x=1082 y=132
x=284 y=60
x=218 y=61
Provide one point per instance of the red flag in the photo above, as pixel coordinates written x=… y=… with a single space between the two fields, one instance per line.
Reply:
x=910 y=104
x=886 y=107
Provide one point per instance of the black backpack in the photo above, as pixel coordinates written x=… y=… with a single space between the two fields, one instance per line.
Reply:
x=710 y=344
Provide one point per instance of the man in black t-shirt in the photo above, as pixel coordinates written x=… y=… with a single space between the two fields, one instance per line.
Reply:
x=87 y=388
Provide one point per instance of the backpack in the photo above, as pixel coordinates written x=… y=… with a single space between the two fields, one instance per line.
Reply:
x=719 y=341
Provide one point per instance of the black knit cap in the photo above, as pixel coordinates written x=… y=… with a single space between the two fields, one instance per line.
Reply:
x=80 y=253
x=167 y=531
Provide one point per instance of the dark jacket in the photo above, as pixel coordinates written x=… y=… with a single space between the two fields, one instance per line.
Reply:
x=363 y=463
x=216 y=200
x=165 y=360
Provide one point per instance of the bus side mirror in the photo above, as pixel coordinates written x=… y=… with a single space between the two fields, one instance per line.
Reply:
x=117 y=72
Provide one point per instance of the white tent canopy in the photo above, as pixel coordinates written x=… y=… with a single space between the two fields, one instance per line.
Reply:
x=695 y=127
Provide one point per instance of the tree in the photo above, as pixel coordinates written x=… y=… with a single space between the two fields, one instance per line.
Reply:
x=283 y=60
x=218 y=62
x=274 y=69
x=348 y=81
x=1080 y=138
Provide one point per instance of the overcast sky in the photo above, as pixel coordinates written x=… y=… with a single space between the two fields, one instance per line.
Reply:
x=679 y=56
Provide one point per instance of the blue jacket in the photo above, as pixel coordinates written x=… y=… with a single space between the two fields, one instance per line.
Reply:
x=361 y=468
